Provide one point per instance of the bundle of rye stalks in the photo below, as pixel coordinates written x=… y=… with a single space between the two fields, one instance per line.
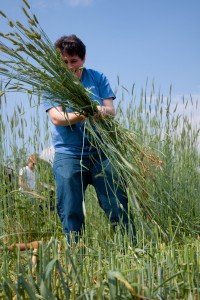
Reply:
x=31 y=64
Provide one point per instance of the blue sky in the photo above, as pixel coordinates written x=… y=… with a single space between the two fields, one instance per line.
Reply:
x=132 y=39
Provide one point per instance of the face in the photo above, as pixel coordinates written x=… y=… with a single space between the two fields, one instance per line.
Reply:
x=31 y=164
x=74 y=63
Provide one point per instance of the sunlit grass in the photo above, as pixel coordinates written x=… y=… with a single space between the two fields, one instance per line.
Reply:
x=31 y=64
x=154 y=149
x=105 y=265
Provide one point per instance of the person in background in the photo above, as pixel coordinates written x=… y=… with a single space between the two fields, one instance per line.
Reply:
x=78 y=164
x=28 y=175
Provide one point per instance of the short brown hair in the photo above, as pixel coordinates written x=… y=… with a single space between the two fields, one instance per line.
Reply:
x=33 y=158
x=71 y=45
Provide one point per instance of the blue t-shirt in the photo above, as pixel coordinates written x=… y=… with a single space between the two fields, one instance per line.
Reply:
x=74 y=139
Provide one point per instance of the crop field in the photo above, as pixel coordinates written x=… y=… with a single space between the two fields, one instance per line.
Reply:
x=35 y=260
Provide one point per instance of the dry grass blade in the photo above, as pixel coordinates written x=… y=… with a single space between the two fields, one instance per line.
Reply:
x=113 y=278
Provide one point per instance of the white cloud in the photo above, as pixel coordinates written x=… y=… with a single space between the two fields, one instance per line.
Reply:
x=42 y=4
x=189 y=107
x=183 y=109
x=78 y=2
x=183 y=106
x=48 y=154
x=52 y=3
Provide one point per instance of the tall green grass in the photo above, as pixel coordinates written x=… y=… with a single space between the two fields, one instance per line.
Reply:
x=32 y=65
x=105 y=265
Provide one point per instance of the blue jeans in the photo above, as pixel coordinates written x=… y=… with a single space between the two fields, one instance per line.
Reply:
x=72 y=179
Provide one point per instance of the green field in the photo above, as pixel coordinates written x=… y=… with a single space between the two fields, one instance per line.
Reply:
x=165 y=263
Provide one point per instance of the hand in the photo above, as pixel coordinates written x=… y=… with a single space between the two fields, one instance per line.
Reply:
x=102 y=112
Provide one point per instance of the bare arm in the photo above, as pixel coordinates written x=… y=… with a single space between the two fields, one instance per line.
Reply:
x=60 y=118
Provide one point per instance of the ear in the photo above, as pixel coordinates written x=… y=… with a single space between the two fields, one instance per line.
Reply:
x=84 y=59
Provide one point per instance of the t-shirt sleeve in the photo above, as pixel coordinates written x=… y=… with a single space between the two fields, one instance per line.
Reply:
x=105 y=90
x=49 y=104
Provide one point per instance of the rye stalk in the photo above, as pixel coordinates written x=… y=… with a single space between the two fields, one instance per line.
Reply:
x=33 y=65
